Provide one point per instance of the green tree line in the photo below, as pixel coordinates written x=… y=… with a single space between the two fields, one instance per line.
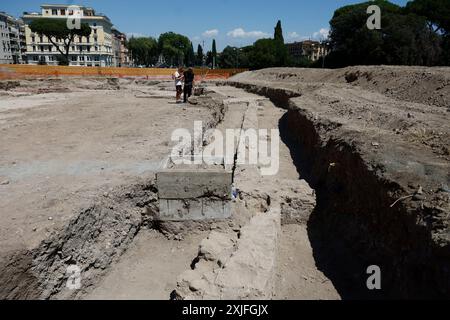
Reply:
x=415 y=34
x=175 y=49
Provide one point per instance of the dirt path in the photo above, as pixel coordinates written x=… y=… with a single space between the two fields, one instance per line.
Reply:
x=149 y=268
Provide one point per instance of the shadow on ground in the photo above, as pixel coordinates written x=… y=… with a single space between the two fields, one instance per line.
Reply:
x=332 y=255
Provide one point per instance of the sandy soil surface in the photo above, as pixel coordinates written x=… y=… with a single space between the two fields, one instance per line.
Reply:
x=60 y=150
x=149 y=269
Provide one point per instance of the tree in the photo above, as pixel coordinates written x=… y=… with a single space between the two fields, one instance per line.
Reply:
x=244 y=57
x=281 y=49
x=263 y=54
x=401 y=40
x=437 y=13
x=173 y=47
x=229 y=57
x=200 y=55
x=56 y=29
x=214 y=54
x=143 y=50
x=278 y=35
x=209 y=59
x=190 y=56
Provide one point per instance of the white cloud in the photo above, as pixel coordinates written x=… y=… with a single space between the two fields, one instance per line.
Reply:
x=321 y=34
x=241 y=33
x=210 y=33
x=293 y=35
x=136 y=35
x=196 y=38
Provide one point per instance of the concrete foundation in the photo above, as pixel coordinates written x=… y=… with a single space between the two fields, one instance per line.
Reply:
x=194 y=194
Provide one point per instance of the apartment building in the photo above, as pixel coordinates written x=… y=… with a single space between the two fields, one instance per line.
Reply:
x=5 y=45
x=313 y=50
x=17 y=40
x=121 y=53
x=95 y=50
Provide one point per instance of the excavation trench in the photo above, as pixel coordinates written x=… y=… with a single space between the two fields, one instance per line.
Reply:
x=352 y=226
x=355 y=223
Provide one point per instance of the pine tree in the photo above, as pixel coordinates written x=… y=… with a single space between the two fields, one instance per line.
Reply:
x=278 y=36
x=214 y=54
x=280 y=48
x=199 y=55
x=190 y=56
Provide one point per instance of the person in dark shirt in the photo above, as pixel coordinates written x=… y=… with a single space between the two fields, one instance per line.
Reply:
x=188 y=83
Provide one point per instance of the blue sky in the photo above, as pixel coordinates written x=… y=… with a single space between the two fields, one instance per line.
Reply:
x=230 y=22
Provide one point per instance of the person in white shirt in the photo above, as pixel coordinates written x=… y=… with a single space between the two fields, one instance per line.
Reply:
x=178 y=77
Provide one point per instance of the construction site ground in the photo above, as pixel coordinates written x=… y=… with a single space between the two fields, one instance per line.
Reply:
x=364 y=180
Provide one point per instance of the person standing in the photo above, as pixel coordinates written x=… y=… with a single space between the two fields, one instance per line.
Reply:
x=188 y=83
x=178 y=77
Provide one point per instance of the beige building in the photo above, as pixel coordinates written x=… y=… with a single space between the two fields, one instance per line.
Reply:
x=95 y=50
x=121 y=54
x=313 y=50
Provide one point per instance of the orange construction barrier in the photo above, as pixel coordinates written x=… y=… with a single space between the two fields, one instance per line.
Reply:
x=11 y=71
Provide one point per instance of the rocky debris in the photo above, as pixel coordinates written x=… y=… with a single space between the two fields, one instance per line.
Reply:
x=218 y=247
x=147 y=82
x=8 y=85
x=235 y=269
x=298 y=202
x=199 y=91
x=193 y=100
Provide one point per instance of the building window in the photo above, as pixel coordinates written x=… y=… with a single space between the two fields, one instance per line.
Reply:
x=34 y=48
x=33 y=39
x=70 y=12
x=73 y=58
x=42 y=48
x=54 y=12
x=80 y=39
x=63 y=12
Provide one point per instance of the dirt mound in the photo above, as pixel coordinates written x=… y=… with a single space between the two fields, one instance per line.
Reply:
x=414 y=84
